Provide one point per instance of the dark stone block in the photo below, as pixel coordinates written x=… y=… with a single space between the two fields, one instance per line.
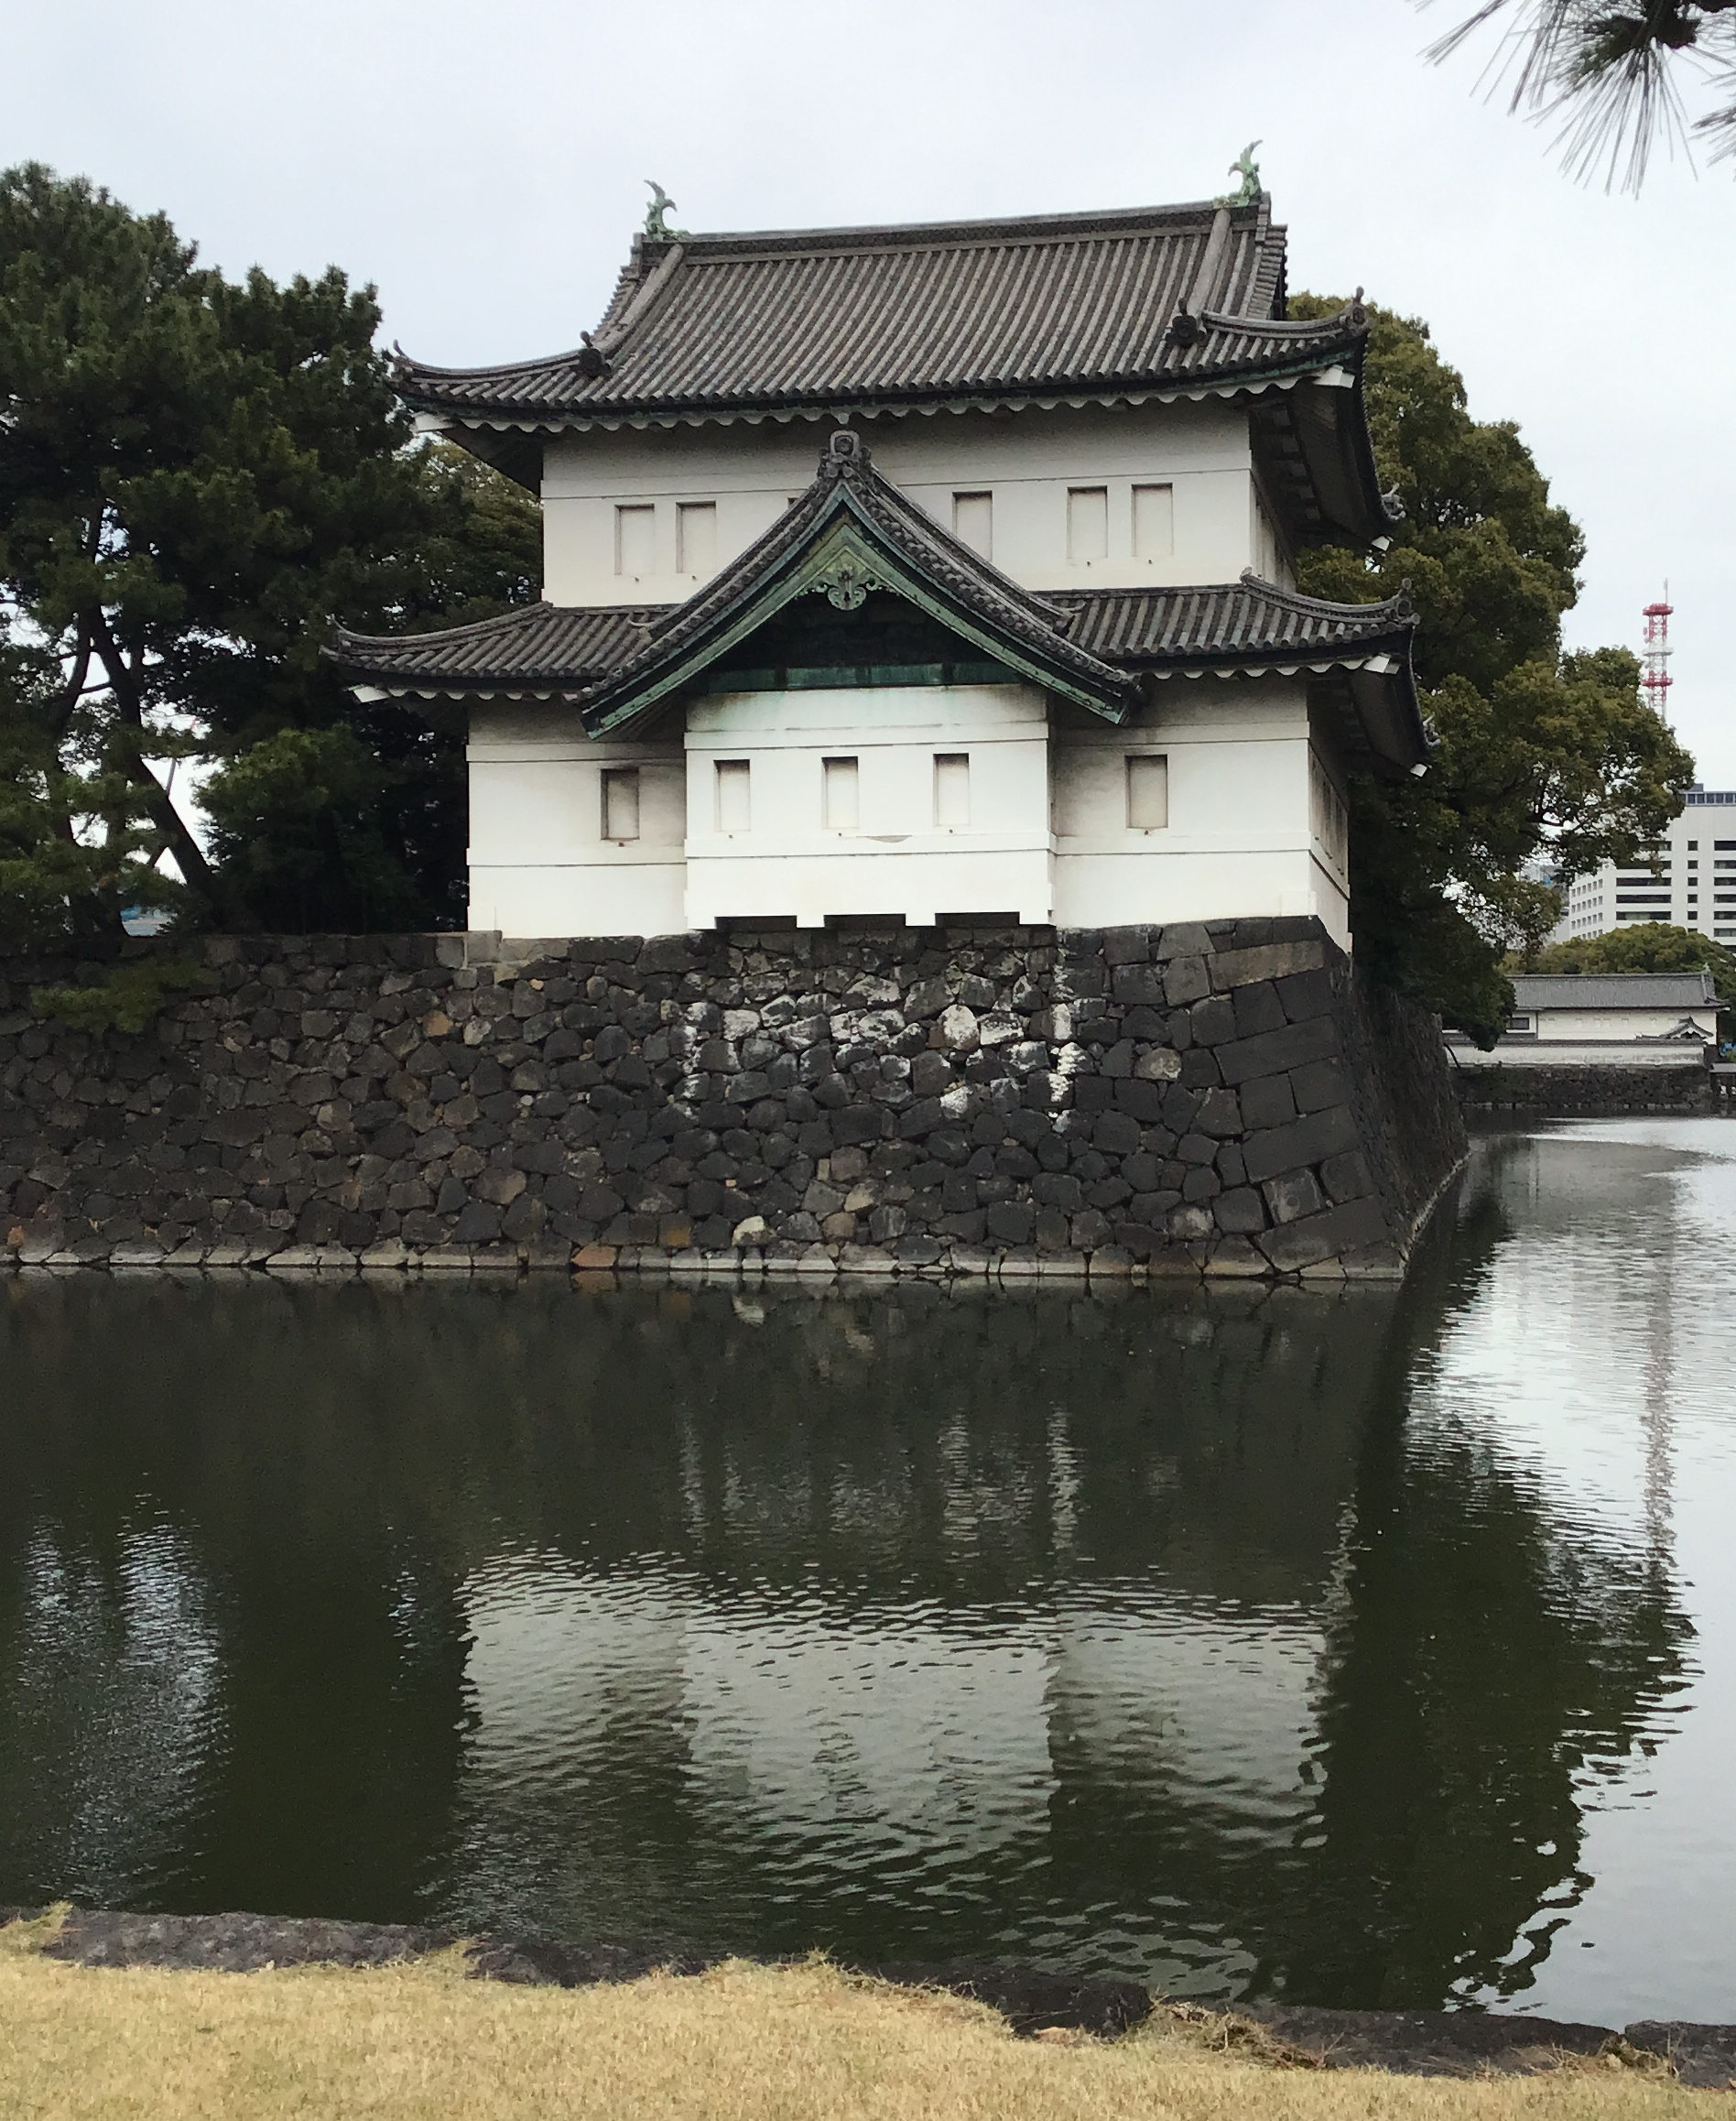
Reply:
x=1185 y=979
x=1304 y=1141
x=1704 y=2055
x=1257 y=1008
x=1306 y=995
x=1058 y=1189
x=1090 y=1231
x=1272 y=1051
x=1347 y=1177
x=1052 y=1232
x=1214 y=1020
x=478 y=1223
x=1239 y=1212
x=1182 y=937
x=1266 y=1102
x=1138 y=985
x=1199 y=1069
x=1319 y=1237
x=1231 y=1164
x=1320 y=1084
x=1129 y=945
x=1142 y=1101
x=1116 y=1133
x=1202 y=1183
x=1218 y=1113
x=918 y=1119
x=860 y=1122
x=1293 y=1196
x=1092 y=1094
x=1197 y=1149
x=1179 y=1106
x=1011 y=1222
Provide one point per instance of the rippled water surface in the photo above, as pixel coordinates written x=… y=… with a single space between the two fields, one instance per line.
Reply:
x=1370 y=1647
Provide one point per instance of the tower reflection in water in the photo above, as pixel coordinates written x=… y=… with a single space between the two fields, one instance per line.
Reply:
x=1198 y=1637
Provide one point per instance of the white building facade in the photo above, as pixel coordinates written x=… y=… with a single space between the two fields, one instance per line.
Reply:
x=1688 y=879
x=1025 y=644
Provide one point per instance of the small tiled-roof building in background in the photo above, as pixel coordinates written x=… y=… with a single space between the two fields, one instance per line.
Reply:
x=926 y=572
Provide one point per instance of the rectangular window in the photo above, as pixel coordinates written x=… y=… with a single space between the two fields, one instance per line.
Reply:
x=636 y=540
x=952 y=787
x=1328 y=818
x=696 y=537
x=735 y=801
x=1154 y=522
x=973 y=522
x=1087 y=523
x=621 y=802
x=1147 y=792
x=839 y=793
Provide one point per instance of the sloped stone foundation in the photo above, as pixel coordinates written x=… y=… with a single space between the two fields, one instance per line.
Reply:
x=1220 y=1099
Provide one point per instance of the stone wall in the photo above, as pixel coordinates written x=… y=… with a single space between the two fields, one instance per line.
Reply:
x=1585 y=1088
x=1222 y=1099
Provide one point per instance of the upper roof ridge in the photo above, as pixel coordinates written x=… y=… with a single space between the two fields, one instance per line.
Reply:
x=988 y=229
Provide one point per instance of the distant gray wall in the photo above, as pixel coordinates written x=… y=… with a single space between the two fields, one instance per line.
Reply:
x=1223 y=1098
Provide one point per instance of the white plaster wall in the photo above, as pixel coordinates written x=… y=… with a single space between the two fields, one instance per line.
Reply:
x=1559 y=1024
x=898 y=861
x=538 y=862
x=1238 y=842
x=1027 y=460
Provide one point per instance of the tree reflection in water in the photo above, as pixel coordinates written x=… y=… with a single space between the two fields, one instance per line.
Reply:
x=1137 y=1632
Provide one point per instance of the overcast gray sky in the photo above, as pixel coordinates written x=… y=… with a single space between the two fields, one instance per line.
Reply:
x=483 y=163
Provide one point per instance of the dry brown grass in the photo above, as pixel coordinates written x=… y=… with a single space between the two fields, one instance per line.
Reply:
x=743 y=2043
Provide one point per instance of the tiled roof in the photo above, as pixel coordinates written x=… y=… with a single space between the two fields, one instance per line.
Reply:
x=571 y=648
x=1679 y=992
x=986 y=311
x=540 y=644
x=1237 y=621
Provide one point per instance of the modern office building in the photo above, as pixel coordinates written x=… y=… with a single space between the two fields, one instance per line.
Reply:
x=1688 y=878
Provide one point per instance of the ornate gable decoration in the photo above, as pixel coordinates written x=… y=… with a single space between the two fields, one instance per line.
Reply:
x=852 y=532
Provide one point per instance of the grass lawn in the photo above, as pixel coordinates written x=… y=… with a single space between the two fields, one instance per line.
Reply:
x=741 y=2043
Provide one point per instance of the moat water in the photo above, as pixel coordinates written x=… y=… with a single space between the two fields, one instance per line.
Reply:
x=1375 y=1648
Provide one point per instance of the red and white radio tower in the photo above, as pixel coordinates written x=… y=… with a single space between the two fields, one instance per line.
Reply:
x=1656 y=681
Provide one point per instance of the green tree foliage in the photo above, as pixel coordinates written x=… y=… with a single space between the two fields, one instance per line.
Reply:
x=1544 y=758
x=197 y=477
x=1649 y=946
x=1612 y=72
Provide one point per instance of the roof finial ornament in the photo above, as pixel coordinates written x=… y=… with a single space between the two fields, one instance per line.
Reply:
x=1248 y=170
x=656 y=224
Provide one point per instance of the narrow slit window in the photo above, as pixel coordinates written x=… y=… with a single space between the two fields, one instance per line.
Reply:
x=636 y=540
x=1154 y=522
x=952 y=788
x=1147 y=792
x=973 y=522
x=841 y=794
x=734 y=802
x=696 y=537
x=1087 y=523
x=621 y=802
